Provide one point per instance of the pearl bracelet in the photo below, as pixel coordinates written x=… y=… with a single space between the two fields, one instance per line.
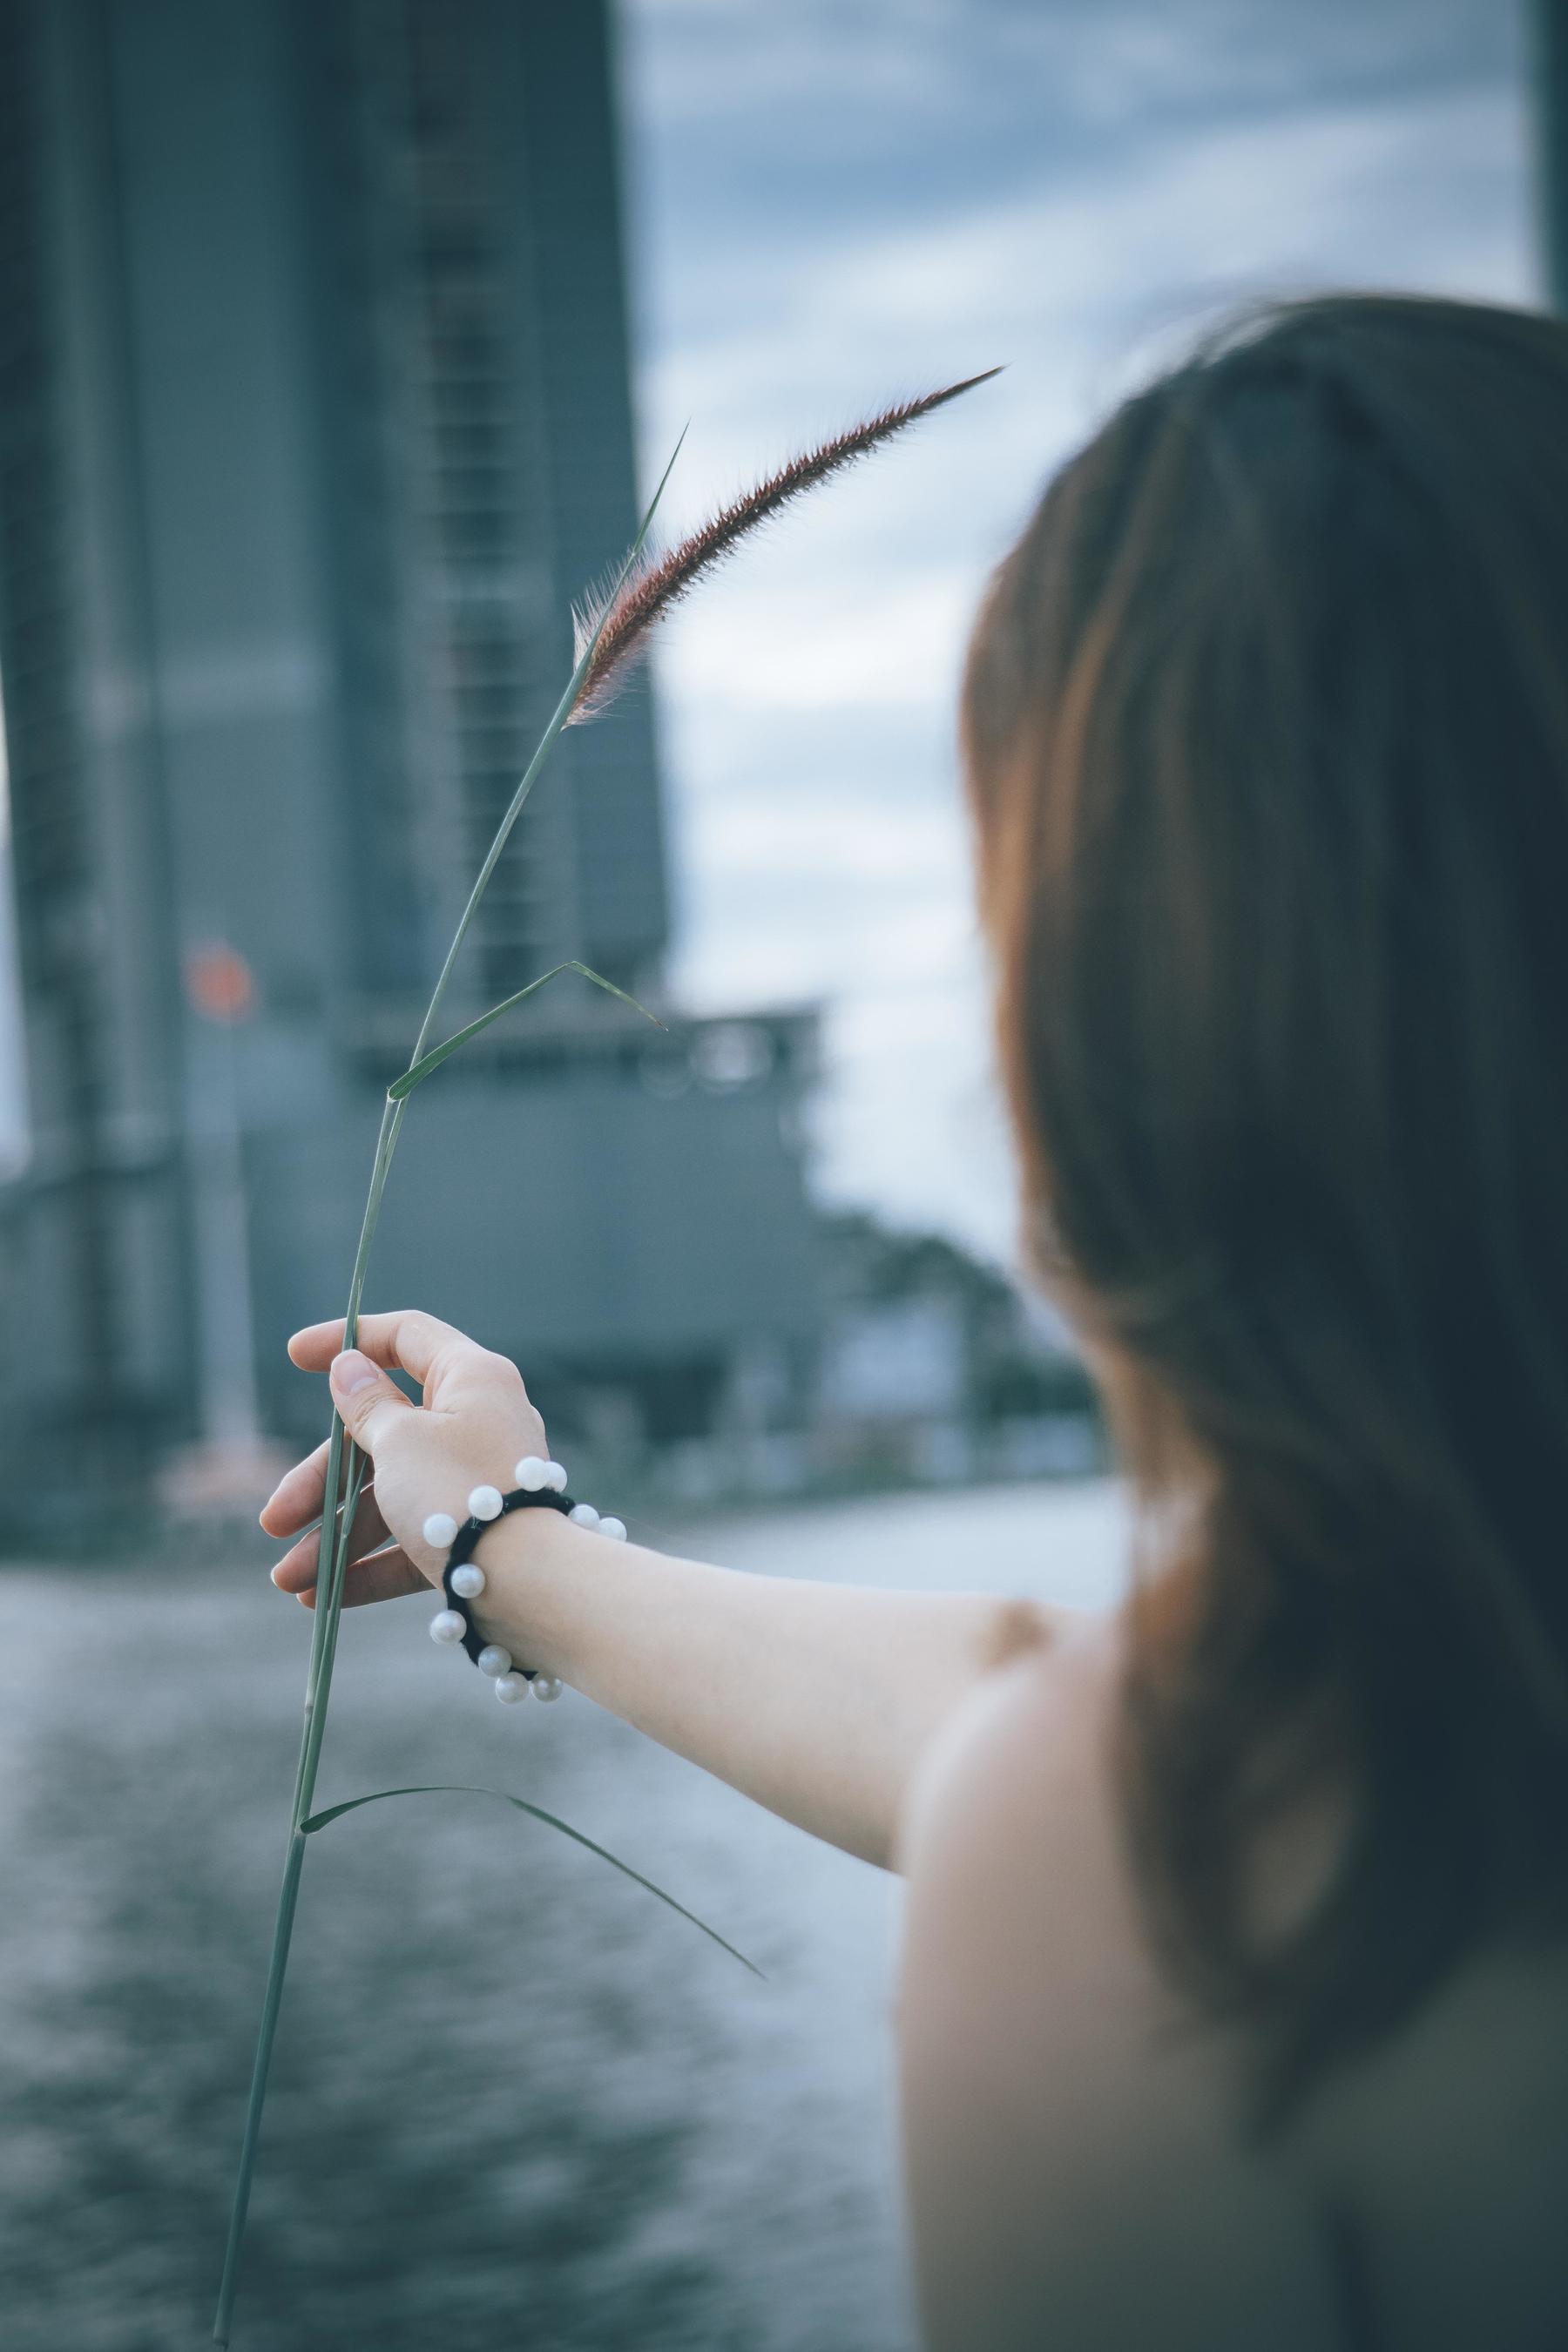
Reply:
x=539 y=1483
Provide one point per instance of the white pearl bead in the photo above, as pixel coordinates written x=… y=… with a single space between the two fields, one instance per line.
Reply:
x=546 y=1686
x=532 y=1473
x=584 y=1515
x=447 y=1625
x=439 y=1531
x=484 y=1503
x=617 y=1528
x=555 y=1477
x=468 y=1580
x=510 y=1688
x=493 y=1660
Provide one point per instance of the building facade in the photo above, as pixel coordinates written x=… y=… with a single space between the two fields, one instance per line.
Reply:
x=314 y=419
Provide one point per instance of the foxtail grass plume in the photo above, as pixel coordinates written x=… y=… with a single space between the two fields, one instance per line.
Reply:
x=647 y=593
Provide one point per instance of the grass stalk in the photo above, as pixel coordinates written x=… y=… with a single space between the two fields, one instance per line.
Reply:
x=335 y=1555
x=635 y=601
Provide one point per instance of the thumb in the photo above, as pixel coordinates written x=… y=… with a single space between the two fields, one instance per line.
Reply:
x=366 y=1398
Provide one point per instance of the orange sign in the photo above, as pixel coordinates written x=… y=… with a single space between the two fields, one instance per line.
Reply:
x=218 y=981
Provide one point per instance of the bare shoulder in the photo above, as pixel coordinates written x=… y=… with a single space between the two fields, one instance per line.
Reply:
x=1012 y=1806
x=1075 y=2163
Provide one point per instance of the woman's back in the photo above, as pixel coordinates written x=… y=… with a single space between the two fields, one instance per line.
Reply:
x=1084 y=2167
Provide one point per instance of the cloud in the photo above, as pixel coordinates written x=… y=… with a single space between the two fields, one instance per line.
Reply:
x=822 y=645
x=812 y=833
x=847 y=199
x=864 y=598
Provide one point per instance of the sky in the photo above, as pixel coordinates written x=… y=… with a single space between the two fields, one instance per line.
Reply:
x=833 y=202
x=837 y=202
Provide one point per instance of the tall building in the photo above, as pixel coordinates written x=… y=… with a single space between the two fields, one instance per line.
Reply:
x=314 y=418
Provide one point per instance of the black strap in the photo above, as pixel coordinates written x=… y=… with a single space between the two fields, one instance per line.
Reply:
x=521 y=1498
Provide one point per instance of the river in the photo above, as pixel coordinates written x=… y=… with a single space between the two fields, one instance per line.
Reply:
x=515 y=2102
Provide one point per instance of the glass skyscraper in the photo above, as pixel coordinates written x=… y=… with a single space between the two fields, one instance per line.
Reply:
x=314 y=418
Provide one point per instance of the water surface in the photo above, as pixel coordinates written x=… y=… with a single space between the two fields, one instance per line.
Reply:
x=515 y=2103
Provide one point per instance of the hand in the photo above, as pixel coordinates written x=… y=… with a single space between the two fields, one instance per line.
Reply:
x=476 y=1422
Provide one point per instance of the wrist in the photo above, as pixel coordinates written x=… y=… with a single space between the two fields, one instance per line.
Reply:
x=533 y=1560
x=501 y=1609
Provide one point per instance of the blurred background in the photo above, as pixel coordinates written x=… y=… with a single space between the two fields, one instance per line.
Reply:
x=338 y=340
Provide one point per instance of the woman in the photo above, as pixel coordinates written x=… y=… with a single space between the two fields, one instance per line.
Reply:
x=1234 y=1999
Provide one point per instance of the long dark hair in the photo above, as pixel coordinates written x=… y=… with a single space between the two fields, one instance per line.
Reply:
x=1267 y=735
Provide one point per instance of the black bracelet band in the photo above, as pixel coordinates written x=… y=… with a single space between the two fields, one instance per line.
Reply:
x=521 y=1498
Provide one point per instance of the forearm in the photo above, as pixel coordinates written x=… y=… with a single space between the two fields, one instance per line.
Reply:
x=814 y=1700
x=817 y=1700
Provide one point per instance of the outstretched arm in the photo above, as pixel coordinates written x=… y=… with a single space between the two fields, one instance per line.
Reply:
x=816 y=1700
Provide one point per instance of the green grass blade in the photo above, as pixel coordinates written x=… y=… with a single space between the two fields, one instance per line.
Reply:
x=401 y=1088
x=551 y=1820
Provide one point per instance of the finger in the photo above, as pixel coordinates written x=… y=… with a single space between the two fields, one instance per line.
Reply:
x=369 y=1402
x=298 y=1568
x=386 y=1576
x=297 y=1496
x=405 y=1341
x=301 y=1495
x=450 y=1365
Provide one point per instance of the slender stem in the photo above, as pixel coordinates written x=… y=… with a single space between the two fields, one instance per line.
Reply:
x=319 y=1682
x=571 y=696
x=327 y=1616
x=330 y=1591
x=282 y=1931
x=330 y=1603
x=503 y=834
x=324 y=1625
